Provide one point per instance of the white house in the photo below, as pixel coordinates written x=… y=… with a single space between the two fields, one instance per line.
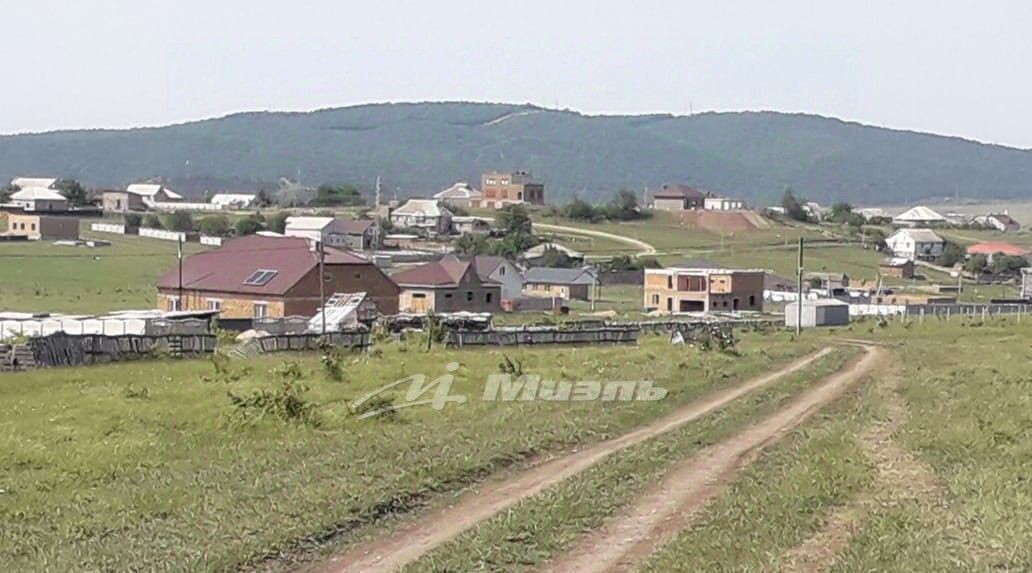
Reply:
x=918 y=217
x=999 y=221
x=26 y=182
x=354 y=234
x=154 y=193
x=461 y=194
x=916 y=244
x=502 y=271
x=427 y=215
x=722 y=204
x=233 y=200
x=39 y=199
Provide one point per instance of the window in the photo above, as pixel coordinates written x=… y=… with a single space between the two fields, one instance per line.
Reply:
x=469 y=296
x=655 y=299
x=670 y=282
x=752 y=300
x=33 y=226
x=421 y=295
x=358 y=276
x=695 y=284
x=174 y=304
x=447 y=295
x=261 y=310
x=260 y=277
x=488 y=297
x=501 y=271
x=214 y=304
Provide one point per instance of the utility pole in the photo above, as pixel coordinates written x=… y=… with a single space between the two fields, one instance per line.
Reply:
x=799 y=292
x=322 y=284
x=179 y=254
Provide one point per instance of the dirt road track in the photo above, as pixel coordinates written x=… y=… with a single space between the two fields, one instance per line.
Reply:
x=643 y=247
x=626 y=541
x=417 y=538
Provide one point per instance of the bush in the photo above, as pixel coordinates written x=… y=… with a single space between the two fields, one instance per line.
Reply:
x=333 y=365
x=278 y=222
x=248 y=225
x=179 y=221
x=287 y=403
x=152 y=221
x=132 y=220
x=214 y=226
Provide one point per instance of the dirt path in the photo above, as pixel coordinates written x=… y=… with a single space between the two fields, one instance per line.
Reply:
x=666 y=508
x=643 y=247
x=417 y=538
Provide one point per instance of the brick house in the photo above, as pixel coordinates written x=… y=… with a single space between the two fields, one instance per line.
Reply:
x=42 y=227
x=703 y=287
x=122 y=202
x=499 y=189
x=258 y=276
x=567 y=284
x=447 y=285
x=675 y=197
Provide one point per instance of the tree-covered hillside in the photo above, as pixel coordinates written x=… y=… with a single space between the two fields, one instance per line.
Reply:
x=421 y=148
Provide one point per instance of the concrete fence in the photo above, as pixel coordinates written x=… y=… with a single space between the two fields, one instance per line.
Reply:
x=67 y=350
x=943 y=311
x=543 y=335
x=211 y=241
x=163 y=234
x=355 y=339
x=107 y=326
x=108 y=228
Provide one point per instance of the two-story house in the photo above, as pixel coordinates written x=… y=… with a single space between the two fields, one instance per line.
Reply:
x=699 y=286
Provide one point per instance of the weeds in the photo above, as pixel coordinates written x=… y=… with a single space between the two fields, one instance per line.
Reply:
x=333 y=364
x=509 y=366
x=287 y=403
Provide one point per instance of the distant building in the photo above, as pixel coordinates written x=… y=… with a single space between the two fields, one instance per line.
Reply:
x=154 y=193
x=568 y=284
x=713 y=203
x=916 y=244
x=919 y=216
x=234 y=200
x=703 y=287
x=122 y=202
x=26 y=182
x=461 y=194
x=1026 y=284
x=991 y=248
x=536 y=254
x=258 y=276
x=426 y=215
x=820 y=312
x=503 y=272
x=999 y=221
x=499 y=189
x=897 y=267
x=869 y=213
x=447 y=285
x=470 y=225
x=39 y=200
x=38 y=227
x=674 y=197
x=353 y=234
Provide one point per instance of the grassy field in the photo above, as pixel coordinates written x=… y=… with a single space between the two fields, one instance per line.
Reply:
x=149 y=466
x=50 y=278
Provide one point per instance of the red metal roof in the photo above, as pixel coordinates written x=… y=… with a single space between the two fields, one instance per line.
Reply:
x=225 y=269
x=993 y=247
x=445 y=272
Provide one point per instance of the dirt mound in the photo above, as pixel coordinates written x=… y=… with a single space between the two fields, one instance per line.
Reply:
x=722 y=222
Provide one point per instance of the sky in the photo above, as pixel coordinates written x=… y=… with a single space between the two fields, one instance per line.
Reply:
x=948 y=67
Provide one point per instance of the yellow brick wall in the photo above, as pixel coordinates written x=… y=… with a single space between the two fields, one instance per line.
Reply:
x=231 y=307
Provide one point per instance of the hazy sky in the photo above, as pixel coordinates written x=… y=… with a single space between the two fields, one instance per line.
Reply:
x=943 y=66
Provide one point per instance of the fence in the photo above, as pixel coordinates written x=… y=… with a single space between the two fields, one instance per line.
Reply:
x=940 y=310
x=211 y=241
x=547 y=335
x=67 y=350
x=355 y=339
x=108 y=228
x=163 y=234
x=106 y=326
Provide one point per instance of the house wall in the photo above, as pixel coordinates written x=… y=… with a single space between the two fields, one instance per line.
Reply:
x=568 y=292
x=510 y=278
x=668 y=291
x=303 y=298
x=232 y=305
x=668 y=204
x=42 y=205
x=39 y=227
x=465 y=298
x=122 y=202
x=500 y=189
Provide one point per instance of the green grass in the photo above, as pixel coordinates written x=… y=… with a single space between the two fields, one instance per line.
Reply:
x=543 y=526
x=43 y=277
x=145 y=466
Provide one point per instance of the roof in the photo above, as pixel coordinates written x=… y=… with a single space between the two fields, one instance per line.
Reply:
x=233 y=197
x=485 y=265
x=559 y=276
x=422 y=207
x=896 y=262
x=993 y=247
x=351 y=226
x=343 y=226
x=24 y=182
x=227 y=268
x=37 y=194
x=308 y=223
x=677 y=191
x=919 y=213
x=919 y=235
x=539 y=251
x=460 y=190
x=1004 y=218
x=444 y=272
x=151 y=189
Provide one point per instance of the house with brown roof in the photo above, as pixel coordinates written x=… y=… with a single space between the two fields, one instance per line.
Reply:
x=999 y=221
x=353 y=234
x=447 y=285
x=261 y=276
x=675 y=197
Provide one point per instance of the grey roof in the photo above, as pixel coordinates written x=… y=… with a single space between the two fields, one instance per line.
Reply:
x=559 y=276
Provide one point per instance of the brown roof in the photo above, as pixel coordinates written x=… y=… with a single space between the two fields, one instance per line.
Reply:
x=225 y=269
x=676 y=191
x=448 y=271
x=351 y=226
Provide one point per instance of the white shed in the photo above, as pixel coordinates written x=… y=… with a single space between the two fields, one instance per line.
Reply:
x=820 y=312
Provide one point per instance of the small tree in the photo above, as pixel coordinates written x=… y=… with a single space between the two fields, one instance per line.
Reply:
x=179 y=221
x=73 y=191
x=337 y=195
x=514 y=219
x=214 y=226
x=278 y=222
x=1008 y=264
x=581 y=210
x=977 y=264
x=248 y=225
x=793 y=207
x=152 y=221
x=952 y=253
x=132 y=220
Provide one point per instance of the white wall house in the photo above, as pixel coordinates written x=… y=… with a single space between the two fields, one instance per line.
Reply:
x=723 y=204
x=39 y=199
x=916 y=244
x=233 y=200
x=424 y=214
x=919 y=216
x=154 y=193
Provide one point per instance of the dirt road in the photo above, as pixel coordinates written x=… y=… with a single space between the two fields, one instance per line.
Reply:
x=627 y=540
x=643 y=247
x=417 y=538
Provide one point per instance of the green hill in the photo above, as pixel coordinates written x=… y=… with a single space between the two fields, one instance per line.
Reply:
x=421 y=148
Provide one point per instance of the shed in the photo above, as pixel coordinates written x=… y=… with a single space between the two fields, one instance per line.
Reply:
x=820 y=312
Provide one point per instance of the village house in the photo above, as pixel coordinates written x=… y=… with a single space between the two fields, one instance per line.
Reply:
x=38 y=199
x=234 y=200
x=714 y=203
x=425 y=215
x=499 y=189
x=674 y=197
x=916 y=244
x=470 y=225
x=992 y=248
x=699 y=286
x=122 y=202
x=261 y=277
x=567 y=284
x=536 y=254
x=502 y=271
x=897 y=267
x=461 y=194
x=919 y=216
x=447 y=285
x=37 y=227
x=353 y=234
x=154 y=193
x=1000 y=221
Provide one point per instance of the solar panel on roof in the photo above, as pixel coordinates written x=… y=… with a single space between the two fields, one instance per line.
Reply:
x=260 y=277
